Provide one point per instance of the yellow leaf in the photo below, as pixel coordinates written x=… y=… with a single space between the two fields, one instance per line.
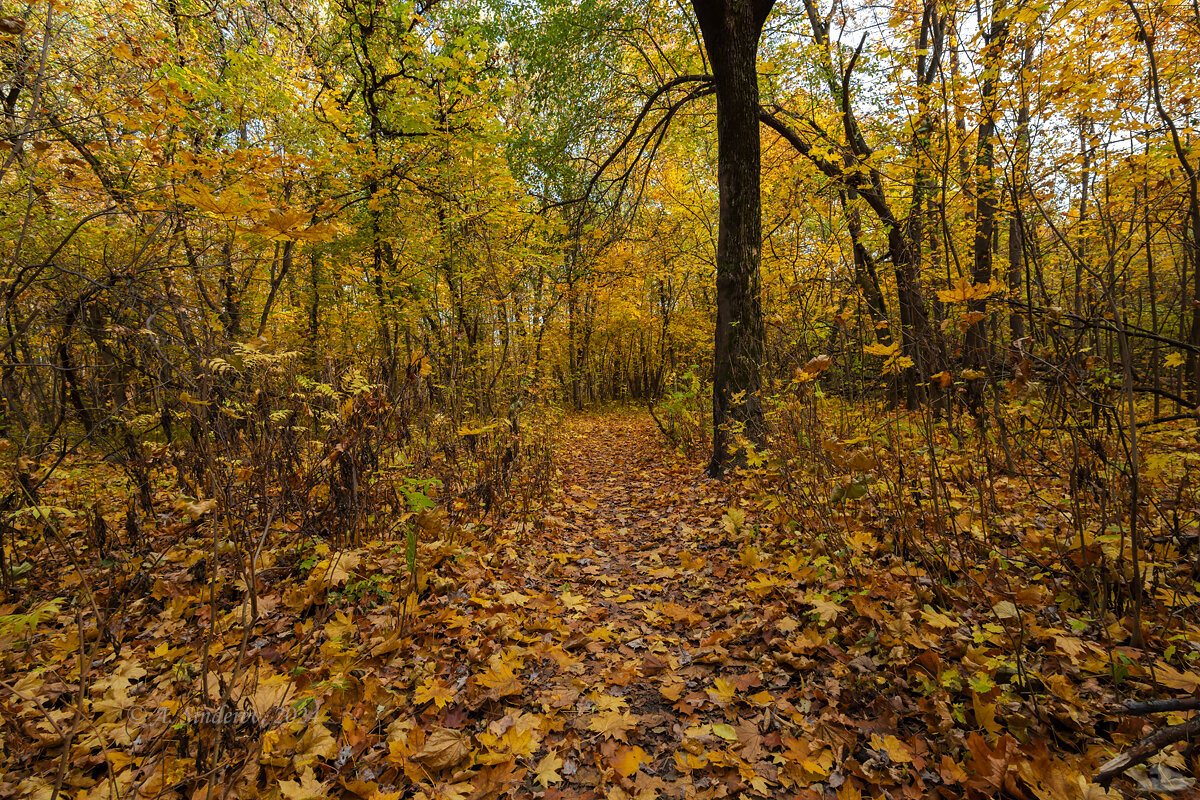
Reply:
x=969 y=319
x=885 y=350
x=849 y=792
x=614 y=724
x=307 y=788
x=501 y=678
x=964 y=290
x=231 y=203
x=723 y=691
x=686 y=762
x=938 y=619
x=827 y=610
x=514 y=598
x=985 y=714
x=574 y=602
x=898 y=752
x=679 y=613
x=1173 y=678
x=629 y=760
x=1005 y=610
x=672 y=688
x=817 y=364
x=317 y=742
x=547 y=769
x=434 y=690
x=725 y=731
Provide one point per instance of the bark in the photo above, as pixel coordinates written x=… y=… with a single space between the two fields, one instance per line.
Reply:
x=283 y=269
x=976 y=344
x=731 y=31
x=1016 y=231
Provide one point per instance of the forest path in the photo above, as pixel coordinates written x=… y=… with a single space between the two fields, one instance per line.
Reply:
x=637 y=666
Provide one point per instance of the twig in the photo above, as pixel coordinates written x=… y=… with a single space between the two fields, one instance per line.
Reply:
x=1145 y=747
x=658 y=422
x=1159 y=706
x=85 y=664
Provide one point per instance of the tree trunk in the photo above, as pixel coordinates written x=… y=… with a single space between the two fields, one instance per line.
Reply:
x=976 y=345
x=731 y=29
x=1016 y=232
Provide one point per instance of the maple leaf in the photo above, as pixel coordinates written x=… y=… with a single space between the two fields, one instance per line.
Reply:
x=434 y=690
x=938 y=620
x=307 y=788
x=501 y=679
x=1005 y=610
x=762 y=584
x=515 y=735
x=970 y=318
x=547 y=769
x=950 y=771
x=826 y=609
x=574 y=602
x=672 y=687
x=816 y=365
x=733 y=520
x=608 y=702
x=443 y=748
x=448 y=791
x=687 y=761
x=964 y=290
x=629 y=760
x=514 y=598
x=317 y=742
x=722 y=691
x=898 y=752
x=1170 y=676
x=885 y=350
x=613 y=724
x=985 y=714
x=679 y=613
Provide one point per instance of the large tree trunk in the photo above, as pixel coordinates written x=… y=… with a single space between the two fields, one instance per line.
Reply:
x=731 y=29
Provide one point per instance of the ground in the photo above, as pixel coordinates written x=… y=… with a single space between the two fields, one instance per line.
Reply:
x=651 y=634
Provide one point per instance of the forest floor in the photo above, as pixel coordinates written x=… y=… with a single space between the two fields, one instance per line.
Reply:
x=655 y=639
x=648 y=637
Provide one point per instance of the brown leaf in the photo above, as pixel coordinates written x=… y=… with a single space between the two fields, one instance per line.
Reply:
x=443 y=748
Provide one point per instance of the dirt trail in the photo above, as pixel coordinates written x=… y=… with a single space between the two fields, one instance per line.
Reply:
x=633 y=677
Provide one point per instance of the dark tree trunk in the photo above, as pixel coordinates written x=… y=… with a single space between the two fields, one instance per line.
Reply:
x=731 y=30
x=976 y=344
x=1016 y=232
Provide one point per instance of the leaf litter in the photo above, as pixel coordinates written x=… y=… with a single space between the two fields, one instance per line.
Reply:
x=654 y=635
